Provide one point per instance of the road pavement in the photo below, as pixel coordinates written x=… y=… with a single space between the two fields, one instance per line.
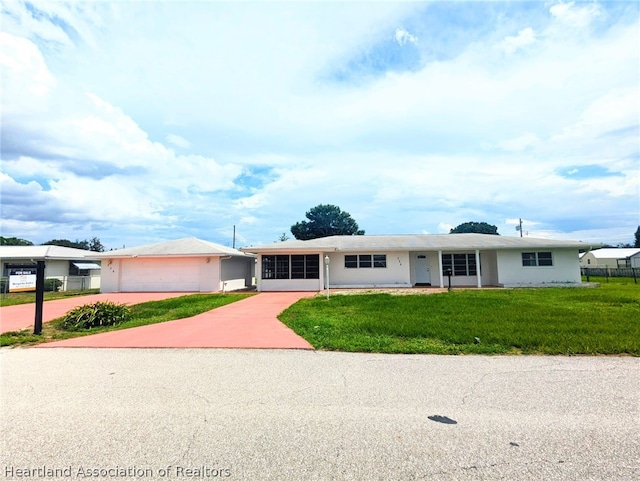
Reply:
x=307 y=415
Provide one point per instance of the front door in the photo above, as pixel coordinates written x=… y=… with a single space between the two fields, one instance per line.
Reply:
x=423 y=275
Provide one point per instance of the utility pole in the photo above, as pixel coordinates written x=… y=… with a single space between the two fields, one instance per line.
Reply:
x=519 y=227
x=234 y=236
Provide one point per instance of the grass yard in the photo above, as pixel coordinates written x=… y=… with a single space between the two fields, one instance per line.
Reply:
x=142 y=315
x=604 y=320
x=15 y=298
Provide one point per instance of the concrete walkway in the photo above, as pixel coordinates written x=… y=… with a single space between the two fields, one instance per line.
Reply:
x=22 y=316
x=249 y=323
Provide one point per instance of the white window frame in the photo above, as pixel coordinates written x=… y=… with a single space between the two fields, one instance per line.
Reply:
x=536 y=259
x=365 y=261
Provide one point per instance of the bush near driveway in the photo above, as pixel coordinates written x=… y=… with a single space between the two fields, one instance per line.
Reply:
x=98 y=314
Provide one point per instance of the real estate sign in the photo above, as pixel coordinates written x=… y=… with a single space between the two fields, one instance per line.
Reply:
x=22 y=279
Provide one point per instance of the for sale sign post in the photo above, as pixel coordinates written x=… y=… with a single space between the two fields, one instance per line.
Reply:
x=22 y=279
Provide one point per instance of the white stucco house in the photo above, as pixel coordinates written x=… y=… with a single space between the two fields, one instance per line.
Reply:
x=612 y=257
x=76 y=268
x=182 y=265
x=475 y=260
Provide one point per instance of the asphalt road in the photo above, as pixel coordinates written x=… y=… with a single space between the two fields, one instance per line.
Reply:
x=305 y=415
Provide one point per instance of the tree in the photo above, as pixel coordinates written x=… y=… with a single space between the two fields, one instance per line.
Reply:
x=325 y=220
x=475 y=228
x=283 y=237
x=88 y=245
x=67 y=243
x=95 y=245
x=14 y=241
x=637 y=235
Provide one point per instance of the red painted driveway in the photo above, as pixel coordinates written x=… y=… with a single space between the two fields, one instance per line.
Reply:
x=22 y=316
x=250 y=323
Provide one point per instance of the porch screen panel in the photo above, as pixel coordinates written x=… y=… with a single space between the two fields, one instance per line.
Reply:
x=282 y=267
x=312 y=266
x=305 y=266
x=471 y=265
x=447 y=263
x=459 y=264
x=297 y=267
x=268 y=267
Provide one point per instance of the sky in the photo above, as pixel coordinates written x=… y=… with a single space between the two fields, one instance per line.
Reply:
x=139 y=122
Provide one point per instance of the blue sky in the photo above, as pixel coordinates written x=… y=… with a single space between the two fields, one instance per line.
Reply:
x=137 y=122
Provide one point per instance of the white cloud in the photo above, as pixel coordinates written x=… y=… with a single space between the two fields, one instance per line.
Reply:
x=524 y=38
x=26 y=79
x=444 y=228
x=571 y=15
x=403 y=36
x=520 y=143
x=100 y=106
x=178 y=141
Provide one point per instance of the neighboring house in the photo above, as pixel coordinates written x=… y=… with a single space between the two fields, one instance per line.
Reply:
x=611 y=257
x=416 y=260
x=183 y=265
x=77 y=268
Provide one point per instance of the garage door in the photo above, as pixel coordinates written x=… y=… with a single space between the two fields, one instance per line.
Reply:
x=160 y=275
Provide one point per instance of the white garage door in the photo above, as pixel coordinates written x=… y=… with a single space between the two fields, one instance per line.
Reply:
x=160 y=275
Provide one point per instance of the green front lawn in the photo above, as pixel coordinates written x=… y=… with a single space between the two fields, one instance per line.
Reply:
x=142 y=314
x=604 y=320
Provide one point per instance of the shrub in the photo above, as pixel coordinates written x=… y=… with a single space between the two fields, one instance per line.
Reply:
x=52 y=284
x=98 y=314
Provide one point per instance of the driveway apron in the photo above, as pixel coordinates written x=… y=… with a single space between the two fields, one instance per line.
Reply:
x=250 y=323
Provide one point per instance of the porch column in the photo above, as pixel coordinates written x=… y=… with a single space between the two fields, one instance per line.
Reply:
x=440 y=275
x=478 y=268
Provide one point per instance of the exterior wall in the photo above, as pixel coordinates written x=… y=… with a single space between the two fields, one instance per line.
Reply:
x=511 y=272
x=396 y=274
x=56 y=268
x=635 y=260
x=489 y=268
x=208 y=269
x=110 y=275
x=283 y=285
